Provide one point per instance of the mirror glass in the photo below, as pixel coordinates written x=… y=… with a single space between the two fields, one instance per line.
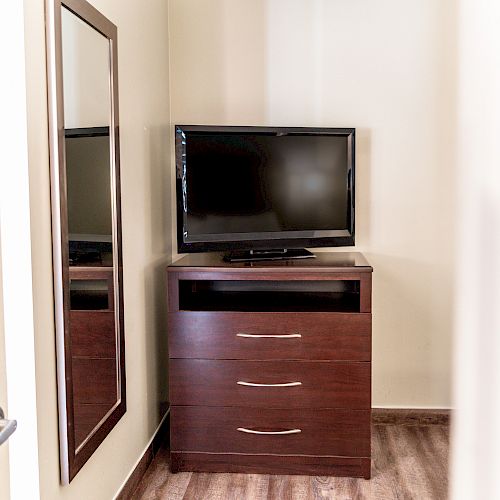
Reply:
x=86 y=228
x=93 y=319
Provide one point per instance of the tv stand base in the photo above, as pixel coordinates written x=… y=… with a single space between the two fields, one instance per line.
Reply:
x=252 y=255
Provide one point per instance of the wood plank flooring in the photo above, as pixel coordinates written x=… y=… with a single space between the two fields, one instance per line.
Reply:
x=409 y=462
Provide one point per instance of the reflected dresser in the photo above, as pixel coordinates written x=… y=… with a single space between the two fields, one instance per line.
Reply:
x=270 y=365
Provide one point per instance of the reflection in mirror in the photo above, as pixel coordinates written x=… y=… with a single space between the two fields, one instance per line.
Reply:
x=87 y=111
x=86 y=212
x=87 y=105
x=93 y=349
x=90 y=295
x=86 y=70
x=89 y=197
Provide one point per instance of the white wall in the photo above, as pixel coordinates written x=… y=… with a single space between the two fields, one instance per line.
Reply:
x=476 y=433
x=144 y=136
x=18 y=329
x=386 y=68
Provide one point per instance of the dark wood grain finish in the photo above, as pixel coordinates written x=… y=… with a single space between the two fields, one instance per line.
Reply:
x=95 y=273
x=172 y=290
x=213 y=335
x=324 y=384
x=323 y=431
x=94 y=381
x=86 y=418
x=331 y=359
x=324 y=261
x=411 y=416
x=267 y=464
x=365 y=303
x=93 y=333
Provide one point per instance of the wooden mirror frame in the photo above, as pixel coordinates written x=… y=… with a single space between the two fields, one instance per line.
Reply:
x=71 y=458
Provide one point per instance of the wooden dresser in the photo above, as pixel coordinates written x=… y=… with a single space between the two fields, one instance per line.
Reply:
x=270 y=365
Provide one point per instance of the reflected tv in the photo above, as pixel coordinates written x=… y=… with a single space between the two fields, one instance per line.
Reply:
x=264 y=191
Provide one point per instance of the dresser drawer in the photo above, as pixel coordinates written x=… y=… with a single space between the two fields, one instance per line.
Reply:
x=283 y=384
x=281 y=432
x=237 y=335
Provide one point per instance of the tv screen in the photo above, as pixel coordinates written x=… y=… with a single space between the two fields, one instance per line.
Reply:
x=254 y=187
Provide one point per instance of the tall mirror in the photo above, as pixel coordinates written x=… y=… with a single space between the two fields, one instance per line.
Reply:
x=86 y=225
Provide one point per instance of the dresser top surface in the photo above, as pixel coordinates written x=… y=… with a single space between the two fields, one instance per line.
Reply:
x=323 y=261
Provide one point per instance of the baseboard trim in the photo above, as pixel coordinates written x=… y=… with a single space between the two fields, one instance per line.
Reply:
x=410 y=416
x=134 y=478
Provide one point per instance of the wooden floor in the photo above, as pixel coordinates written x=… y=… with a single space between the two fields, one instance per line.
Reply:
x=409 y=462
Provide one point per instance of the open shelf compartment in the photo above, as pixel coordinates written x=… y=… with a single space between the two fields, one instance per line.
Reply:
x=270 y=296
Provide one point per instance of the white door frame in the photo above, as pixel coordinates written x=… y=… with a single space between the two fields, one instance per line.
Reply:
x=15 y=254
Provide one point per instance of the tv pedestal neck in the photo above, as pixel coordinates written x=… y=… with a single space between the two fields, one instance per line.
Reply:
x=272 y=254
x=270 y=365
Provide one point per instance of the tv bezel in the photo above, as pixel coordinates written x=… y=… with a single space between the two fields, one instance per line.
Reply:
x=302 y=240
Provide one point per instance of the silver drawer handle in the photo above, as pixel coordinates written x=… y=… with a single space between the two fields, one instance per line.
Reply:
x=267 y=433
x=286 y=384
x=252 y=336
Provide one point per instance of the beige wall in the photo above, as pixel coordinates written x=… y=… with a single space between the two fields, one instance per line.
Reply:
x=386 y=68
x=4 y=449
x=85 y=58
x=144 y=128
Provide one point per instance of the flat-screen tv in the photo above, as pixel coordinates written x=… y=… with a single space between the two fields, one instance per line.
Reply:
x=262 y=188
x=88 y=196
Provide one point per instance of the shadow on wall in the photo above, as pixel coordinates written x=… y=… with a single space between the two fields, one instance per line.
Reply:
x=156 y=341
x=158 y=158
x=363 y=186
